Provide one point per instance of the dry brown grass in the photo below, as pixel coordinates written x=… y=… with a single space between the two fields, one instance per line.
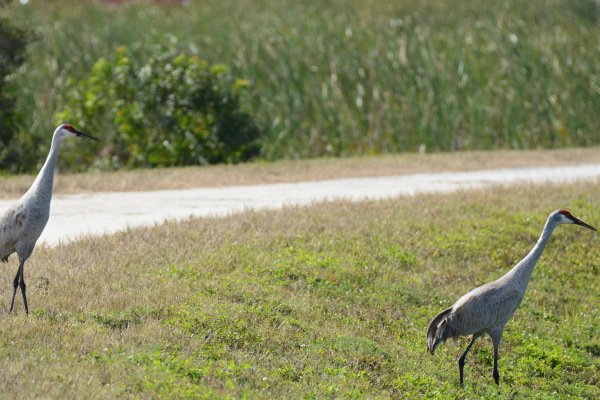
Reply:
x=301 y=170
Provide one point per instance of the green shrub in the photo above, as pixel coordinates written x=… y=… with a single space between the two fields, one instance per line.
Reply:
x=171 y=110
x=13 y=42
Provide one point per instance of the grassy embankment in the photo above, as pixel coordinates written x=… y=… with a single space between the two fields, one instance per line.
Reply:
x=329 y=301
x=350 y=77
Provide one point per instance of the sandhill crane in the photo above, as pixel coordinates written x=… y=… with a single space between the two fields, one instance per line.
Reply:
x=23 y=222
x=488 y=308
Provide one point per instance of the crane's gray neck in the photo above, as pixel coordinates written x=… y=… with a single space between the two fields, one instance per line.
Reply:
x=42 y=186
x=521 y=272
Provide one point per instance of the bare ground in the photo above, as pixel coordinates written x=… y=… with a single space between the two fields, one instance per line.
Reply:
x=291 y=171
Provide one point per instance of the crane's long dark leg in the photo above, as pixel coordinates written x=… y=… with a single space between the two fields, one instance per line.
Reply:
x=496 y=374
x=19 y=282
x=461 y=360
x=496 y=342
x=15 y=285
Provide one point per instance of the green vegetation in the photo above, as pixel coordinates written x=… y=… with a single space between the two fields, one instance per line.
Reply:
x=330 y=301
x=13 y=42
x=347 y=77
x=173 y=110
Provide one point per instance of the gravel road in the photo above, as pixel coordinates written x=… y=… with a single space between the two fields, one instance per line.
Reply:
x=97 y=213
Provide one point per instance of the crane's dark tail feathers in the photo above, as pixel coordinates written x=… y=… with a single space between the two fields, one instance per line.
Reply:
x=438 y=331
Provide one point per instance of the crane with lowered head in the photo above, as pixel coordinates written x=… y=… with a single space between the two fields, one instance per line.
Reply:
x=488 y=308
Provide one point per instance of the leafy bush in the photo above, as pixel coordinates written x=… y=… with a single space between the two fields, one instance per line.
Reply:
x=172 y=110
x=13 y=42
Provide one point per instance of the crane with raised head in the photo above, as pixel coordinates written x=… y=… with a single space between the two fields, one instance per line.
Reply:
x=488 y=308
x=22 y=224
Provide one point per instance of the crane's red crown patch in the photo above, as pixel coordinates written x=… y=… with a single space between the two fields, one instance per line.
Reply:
x=564 y=212
x=69 y=128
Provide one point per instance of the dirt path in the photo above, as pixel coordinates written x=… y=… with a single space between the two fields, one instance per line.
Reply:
x=291 y=171
x=73 y=215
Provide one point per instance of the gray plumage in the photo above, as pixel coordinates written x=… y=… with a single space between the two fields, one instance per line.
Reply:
x=488 y=308
x=22 y=224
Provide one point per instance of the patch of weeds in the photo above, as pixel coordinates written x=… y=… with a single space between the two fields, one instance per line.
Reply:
x=353 y=353
x=320 y=260
x=231 y=332
x=119 y=321
x=409 y=292
x=592 y=348
x=326 y=282
x=54 y=315
x=547 y=359
x=172 y=374
x=108 y=355
x=182 y=271
x=168 y=360
x=397 y=257
x=42 y=284
x=234 y=370
x=250 y=303
x=288 y=373
x=413 y=383
x=544 y=315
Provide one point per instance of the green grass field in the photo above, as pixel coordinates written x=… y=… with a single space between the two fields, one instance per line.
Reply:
x=324 y=302
x=345 y=77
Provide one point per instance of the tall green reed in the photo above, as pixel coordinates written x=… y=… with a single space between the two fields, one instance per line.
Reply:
x=353 y=77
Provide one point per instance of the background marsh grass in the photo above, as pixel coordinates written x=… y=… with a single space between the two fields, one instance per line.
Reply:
x=329 y=301
x=351 y=77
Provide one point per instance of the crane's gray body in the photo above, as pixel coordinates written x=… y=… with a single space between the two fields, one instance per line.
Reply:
x=23 y=223
x=20 y=227
x=488 y=308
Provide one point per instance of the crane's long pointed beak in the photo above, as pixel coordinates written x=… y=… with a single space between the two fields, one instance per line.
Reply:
x=579 y=222
x=81 y=134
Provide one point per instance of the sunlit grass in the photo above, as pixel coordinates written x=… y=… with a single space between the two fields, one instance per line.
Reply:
x=329 y=301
